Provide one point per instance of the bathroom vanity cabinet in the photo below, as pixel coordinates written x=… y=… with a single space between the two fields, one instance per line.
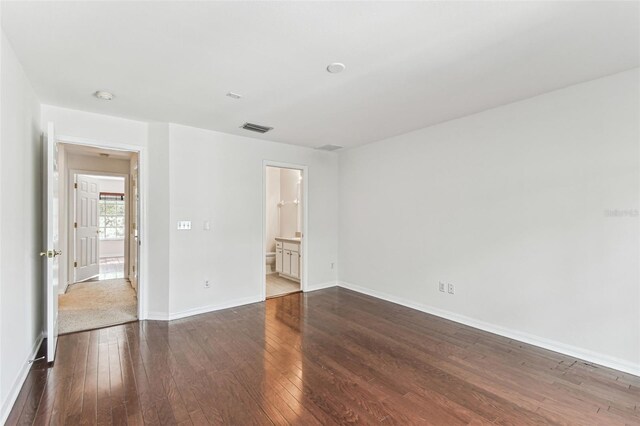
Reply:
x=288 y=258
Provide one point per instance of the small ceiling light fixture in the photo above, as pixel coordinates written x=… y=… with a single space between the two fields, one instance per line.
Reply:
x=234 y=95
x=105 y=96
x=329 y=147
x=335 y=68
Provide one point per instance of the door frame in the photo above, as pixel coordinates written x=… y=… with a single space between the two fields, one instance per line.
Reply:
x=304 y=243
x=143 y=255
x=71 y=211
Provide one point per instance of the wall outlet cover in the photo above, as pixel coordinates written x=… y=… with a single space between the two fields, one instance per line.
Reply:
x=184 y=225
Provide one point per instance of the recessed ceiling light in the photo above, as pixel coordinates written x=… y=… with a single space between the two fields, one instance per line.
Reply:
x=335 y=67
x=105 y=96
x=234 y=95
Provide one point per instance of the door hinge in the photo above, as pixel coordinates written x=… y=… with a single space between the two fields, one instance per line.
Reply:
x=75 y=185
x=75 y=224
x=75 y=264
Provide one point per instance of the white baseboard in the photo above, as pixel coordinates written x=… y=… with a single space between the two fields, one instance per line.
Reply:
x=552 y=345
x=163 y=316
x=215 y=307
x=156 y=316
x=63 y=288
x=7 y=404
x=320 y=286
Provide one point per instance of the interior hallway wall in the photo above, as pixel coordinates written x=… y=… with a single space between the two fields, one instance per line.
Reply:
x=530 y=210
x=21 y=289
x=223 y=184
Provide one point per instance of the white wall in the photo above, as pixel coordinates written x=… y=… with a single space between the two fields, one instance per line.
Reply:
x=116 y=185
x=21 y=301
x=95 y=164
x=98 y=127
x=509 y=206
x=223 y=183
x=158 y=225
x=273 y=216
x=112 y=248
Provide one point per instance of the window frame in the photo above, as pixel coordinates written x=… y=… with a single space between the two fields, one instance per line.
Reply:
x=105 y=200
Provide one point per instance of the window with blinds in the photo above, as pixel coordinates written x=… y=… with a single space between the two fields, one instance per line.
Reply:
x=111 y=216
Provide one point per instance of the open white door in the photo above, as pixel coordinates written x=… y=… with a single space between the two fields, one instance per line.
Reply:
x=51 y=212
x=86 y=227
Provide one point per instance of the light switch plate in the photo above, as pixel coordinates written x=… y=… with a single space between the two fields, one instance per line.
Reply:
x=184 y=225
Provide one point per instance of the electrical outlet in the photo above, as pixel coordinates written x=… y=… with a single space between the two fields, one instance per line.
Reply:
x=206 y=284
x=451 y=288
x=333 y=265
x=441 y=286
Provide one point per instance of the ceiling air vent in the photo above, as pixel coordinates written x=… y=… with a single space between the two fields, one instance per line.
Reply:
x=329 y=147
x=256 y=128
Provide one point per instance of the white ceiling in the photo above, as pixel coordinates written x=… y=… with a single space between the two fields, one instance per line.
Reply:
x=409 y=65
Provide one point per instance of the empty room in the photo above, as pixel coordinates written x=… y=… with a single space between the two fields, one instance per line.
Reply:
x=320 y=212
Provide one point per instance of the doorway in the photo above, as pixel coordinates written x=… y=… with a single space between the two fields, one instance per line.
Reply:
x=284 y=224
x=98 y=227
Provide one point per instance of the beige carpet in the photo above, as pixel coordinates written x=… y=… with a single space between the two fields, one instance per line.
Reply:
x=96 y=304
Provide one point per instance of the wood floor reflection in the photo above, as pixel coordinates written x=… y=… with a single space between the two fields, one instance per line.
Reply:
x=327 y=357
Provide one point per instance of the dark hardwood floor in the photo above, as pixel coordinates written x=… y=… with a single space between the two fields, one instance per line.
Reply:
x=327 y=357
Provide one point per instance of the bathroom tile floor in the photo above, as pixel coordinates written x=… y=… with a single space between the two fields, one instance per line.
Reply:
x=279 y=286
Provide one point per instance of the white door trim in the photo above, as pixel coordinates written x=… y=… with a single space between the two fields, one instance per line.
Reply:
x=143 y=189
x=304 y=243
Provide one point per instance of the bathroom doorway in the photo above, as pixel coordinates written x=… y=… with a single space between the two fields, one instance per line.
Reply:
x=284 y=229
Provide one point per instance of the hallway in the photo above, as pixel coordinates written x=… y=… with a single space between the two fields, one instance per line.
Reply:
x=95 y=304
x=111 y=267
